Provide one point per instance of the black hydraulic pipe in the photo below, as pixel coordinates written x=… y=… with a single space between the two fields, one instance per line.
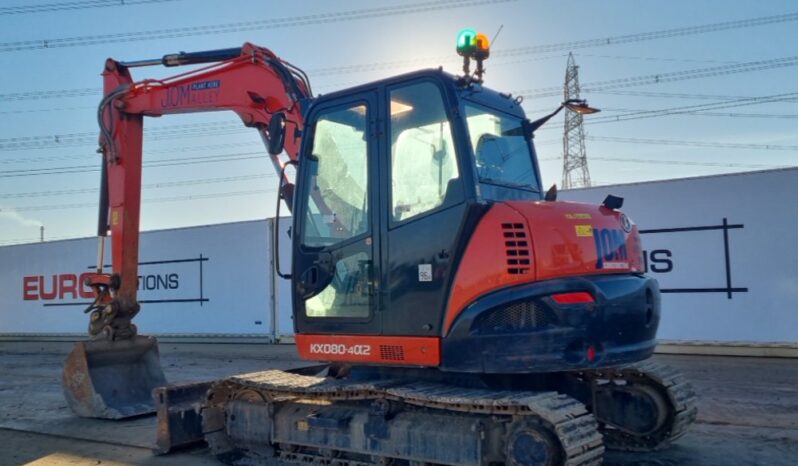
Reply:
x=190 y=58
x=208 y=56
x=102 y=218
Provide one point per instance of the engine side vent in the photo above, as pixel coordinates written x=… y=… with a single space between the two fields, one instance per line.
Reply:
x=515 y=317
x=516 y=244
x=392 y=353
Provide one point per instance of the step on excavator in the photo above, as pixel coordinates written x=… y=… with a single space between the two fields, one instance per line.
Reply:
x=464 y=316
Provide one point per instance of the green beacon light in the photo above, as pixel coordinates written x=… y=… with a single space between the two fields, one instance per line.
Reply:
x=466 y=42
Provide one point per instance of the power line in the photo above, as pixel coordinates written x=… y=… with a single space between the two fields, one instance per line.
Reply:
x=190 y=197
x=689 y=163
x=39 y=110
x=511 y=52
x=93 y=155
x=328 y=71
x=696 y=108
x=47 y=7
x=658 y=59
x=676 y=162
x=268 y=24
x=614 y=40
x=168 y=184
x=216 y=128
x=602 y=87
x=685 y=109
x=155 y=164
x=224 y=128
x=786 y=116
x=659 y=78
x=672 y=95
x=712 y=144
x=645 y=36
x=52 y=94
x=66 y=136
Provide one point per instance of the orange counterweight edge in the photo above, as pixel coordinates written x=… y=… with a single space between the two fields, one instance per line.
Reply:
x=403 y=351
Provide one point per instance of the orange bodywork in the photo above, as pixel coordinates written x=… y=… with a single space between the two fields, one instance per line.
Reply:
x=520 y=242
x=484 y=266
x=414 y=351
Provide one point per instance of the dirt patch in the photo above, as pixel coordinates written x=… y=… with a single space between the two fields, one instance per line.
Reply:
x=748 y=409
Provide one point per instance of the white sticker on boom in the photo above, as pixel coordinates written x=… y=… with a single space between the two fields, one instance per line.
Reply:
x=425 y=272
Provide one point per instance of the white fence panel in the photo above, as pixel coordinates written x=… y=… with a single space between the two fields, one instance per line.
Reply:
x=723 y=249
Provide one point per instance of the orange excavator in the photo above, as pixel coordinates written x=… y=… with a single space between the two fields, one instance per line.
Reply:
x=465 y=316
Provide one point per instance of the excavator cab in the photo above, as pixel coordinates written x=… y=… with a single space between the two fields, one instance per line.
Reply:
x=392 y=175
x=422 y=236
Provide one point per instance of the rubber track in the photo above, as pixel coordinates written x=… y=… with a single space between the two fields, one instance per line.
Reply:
x=575 y=427
x=680 y=393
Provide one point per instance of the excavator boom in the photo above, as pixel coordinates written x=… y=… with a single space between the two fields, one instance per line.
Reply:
x=114 y=374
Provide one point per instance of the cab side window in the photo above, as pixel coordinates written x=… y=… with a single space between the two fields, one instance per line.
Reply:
x=424 y=172
x=337 y=208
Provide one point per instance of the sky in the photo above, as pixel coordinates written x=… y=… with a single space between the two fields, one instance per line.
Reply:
x=673 y=105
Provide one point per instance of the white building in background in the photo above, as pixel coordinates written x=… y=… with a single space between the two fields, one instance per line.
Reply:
x=206 y=281
x=723 y=248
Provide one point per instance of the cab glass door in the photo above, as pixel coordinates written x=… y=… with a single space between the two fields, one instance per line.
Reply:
x=334 y=265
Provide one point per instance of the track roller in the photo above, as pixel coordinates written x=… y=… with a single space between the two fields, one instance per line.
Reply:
x=643 y=407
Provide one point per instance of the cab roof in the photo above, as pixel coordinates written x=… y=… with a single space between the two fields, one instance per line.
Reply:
x=454 y=85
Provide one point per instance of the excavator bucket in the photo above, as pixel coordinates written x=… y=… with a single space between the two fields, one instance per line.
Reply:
x=113 y=379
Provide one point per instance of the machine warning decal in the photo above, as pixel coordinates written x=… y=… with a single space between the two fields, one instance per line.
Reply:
x=425 y=272
x=584 y=230
x=578 y=216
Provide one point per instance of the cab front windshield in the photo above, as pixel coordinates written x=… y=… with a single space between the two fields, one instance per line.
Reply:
x=501 y=151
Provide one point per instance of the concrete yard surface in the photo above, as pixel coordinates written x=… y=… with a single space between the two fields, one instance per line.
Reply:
x=748 y=409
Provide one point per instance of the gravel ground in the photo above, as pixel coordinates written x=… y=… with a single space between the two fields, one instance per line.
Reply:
x=748 y=409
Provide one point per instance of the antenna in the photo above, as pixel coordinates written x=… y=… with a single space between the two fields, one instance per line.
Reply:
x=493 y=41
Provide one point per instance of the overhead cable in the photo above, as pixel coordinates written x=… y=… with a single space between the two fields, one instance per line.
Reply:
x=82 y=5
x=263 y=24
x=709 y=144
x=659 y=78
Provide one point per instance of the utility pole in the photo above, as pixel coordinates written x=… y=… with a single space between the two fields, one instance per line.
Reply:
x=574 y=157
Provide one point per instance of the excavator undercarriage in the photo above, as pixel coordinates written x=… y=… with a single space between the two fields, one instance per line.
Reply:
x=270 y=417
